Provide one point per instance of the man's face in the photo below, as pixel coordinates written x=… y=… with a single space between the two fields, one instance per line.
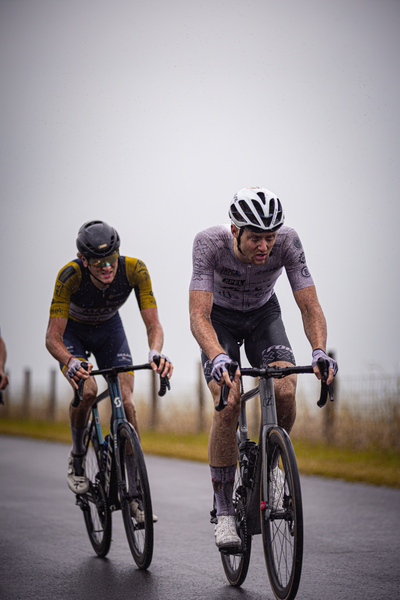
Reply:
x=255 y=247
x=105 y=272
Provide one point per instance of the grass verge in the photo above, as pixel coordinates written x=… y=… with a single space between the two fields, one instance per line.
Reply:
x=377 y=467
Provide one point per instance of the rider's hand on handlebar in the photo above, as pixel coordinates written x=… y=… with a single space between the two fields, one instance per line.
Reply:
x=165 y=366
x=333 y=366
x=219 y=371
x=75 y=372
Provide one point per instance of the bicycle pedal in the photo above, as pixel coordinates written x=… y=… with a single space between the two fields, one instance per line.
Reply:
x=231 y=550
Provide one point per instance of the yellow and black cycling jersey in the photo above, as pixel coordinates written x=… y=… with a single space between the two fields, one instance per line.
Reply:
x=77 y=298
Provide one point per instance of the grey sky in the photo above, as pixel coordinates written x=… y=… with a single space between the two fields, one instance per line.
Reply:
x=152 y=115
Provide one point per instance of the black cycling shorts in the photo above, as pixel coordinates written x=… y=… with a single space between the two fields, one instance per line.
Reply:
x=106 y=341
x=260 y=330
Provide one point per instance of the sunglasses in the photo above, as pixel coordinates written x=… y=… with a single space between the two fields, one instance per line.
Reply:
x=106 y=261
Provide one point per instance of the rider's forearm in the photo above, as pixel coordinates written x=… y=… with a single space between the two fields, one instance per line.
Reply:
x=315 y=327
x=204 y=333
x=3 y=354
x=155 y=336
x=57 y=349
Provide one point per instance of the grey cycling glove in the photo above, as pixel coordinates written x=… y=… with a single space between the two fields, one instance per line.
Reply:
x=219 y=366
x=318 y=353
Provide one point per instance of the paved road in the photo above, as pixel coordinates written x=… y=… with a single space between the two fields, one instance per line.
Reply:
x=351 y=548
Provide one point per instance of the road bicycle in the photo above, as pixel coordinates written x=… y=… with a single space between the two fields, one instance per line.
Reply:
x=266 y=492
x=117 y=474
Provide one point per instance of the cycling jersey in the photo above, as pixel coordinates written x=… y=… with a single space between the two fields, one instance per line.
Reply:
x=241 y=286
x=77 y=298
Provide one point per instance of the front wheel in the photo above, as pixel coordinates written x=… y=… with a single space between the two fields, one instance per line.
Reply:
x=135 y=496
x=237 y=565
x=282 y=515
x=96 y=512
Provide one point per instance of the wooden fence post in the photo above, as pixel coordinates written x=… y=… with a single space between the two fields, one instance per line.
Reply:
x=26 y=398
x=200 y=423
x=52 y=396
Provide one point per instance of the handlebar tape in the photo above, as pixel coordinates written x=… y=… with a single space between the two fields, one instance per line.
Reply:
x=323 y=366
x=223 y=397
x=164 y=381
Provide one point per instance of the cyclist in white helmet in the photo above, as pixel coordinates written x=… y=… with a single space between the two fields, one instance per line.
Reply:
x=233 y=303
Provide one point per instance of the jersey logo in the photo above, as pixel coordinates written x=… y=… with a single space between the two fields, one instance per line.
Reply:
x=237 y=282
x=66 y=274
x=226 y=271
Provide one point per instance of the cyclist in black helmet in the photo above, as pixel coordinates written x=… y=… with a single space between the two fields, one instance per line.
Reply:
x=84 y=319
x=232 y=303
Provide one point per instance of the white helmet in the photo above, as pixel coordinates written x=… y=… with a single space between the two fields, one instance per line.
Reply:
x=257 y=209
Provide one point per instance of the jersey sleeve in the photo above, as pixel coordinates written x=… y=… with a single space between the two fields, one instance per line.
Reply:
x=295 y=262
x=139 y=278
x=203 y=264
x=67 y=282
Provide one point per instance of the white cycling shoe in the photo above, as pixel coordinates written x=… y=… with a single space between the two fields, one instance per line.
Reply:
x=138 y=514
x=76 y=478
x=276 y=489
x=225 y=532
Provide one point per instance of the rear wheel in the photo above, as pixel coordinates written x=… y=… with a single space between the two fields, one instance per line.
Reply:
x=237 y=565
x=282 y=516
x=96 y=512
x=135 y=487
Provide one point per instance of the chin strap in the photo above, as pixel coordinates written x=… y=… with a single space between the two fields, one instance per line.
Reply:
x=238 y=240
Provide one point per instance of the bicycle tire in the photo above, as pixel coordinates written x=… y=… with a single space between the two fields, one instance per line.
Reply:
x=282 y=518
x=96 y=511
x=140 y=536
x=236 y=566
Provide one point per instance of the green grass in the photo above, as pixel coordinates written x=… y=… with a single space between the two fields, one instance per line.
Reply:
x=378 y=467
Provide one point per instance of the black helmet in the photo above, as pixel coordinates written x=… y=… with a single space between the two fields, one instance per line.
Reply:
x=96 y=239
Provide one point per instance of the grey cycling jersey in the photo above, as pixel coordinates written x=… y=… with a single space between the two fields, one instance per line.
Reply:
x=240 y=286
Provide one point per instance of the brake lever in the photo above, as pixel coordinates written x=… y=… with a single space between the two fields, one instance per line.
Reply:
x=223 y=397
x=78 y=392
x=323 y=366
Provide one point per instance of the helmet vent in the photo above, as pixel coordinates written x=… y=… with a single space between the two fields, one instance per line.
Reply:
x=261 y=195
x=248 y=212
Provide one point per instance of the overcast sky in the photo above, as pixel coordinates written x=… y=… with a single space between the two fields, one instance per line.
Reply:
x=151 y=115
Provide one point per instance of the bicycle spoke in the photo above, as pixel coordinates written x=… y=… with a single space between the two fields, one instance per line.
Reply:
x=95 y=510
x=135 y=500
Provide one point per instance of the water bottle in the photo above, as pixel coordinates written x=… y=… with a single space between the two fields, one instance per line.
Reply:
x=105 y=451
